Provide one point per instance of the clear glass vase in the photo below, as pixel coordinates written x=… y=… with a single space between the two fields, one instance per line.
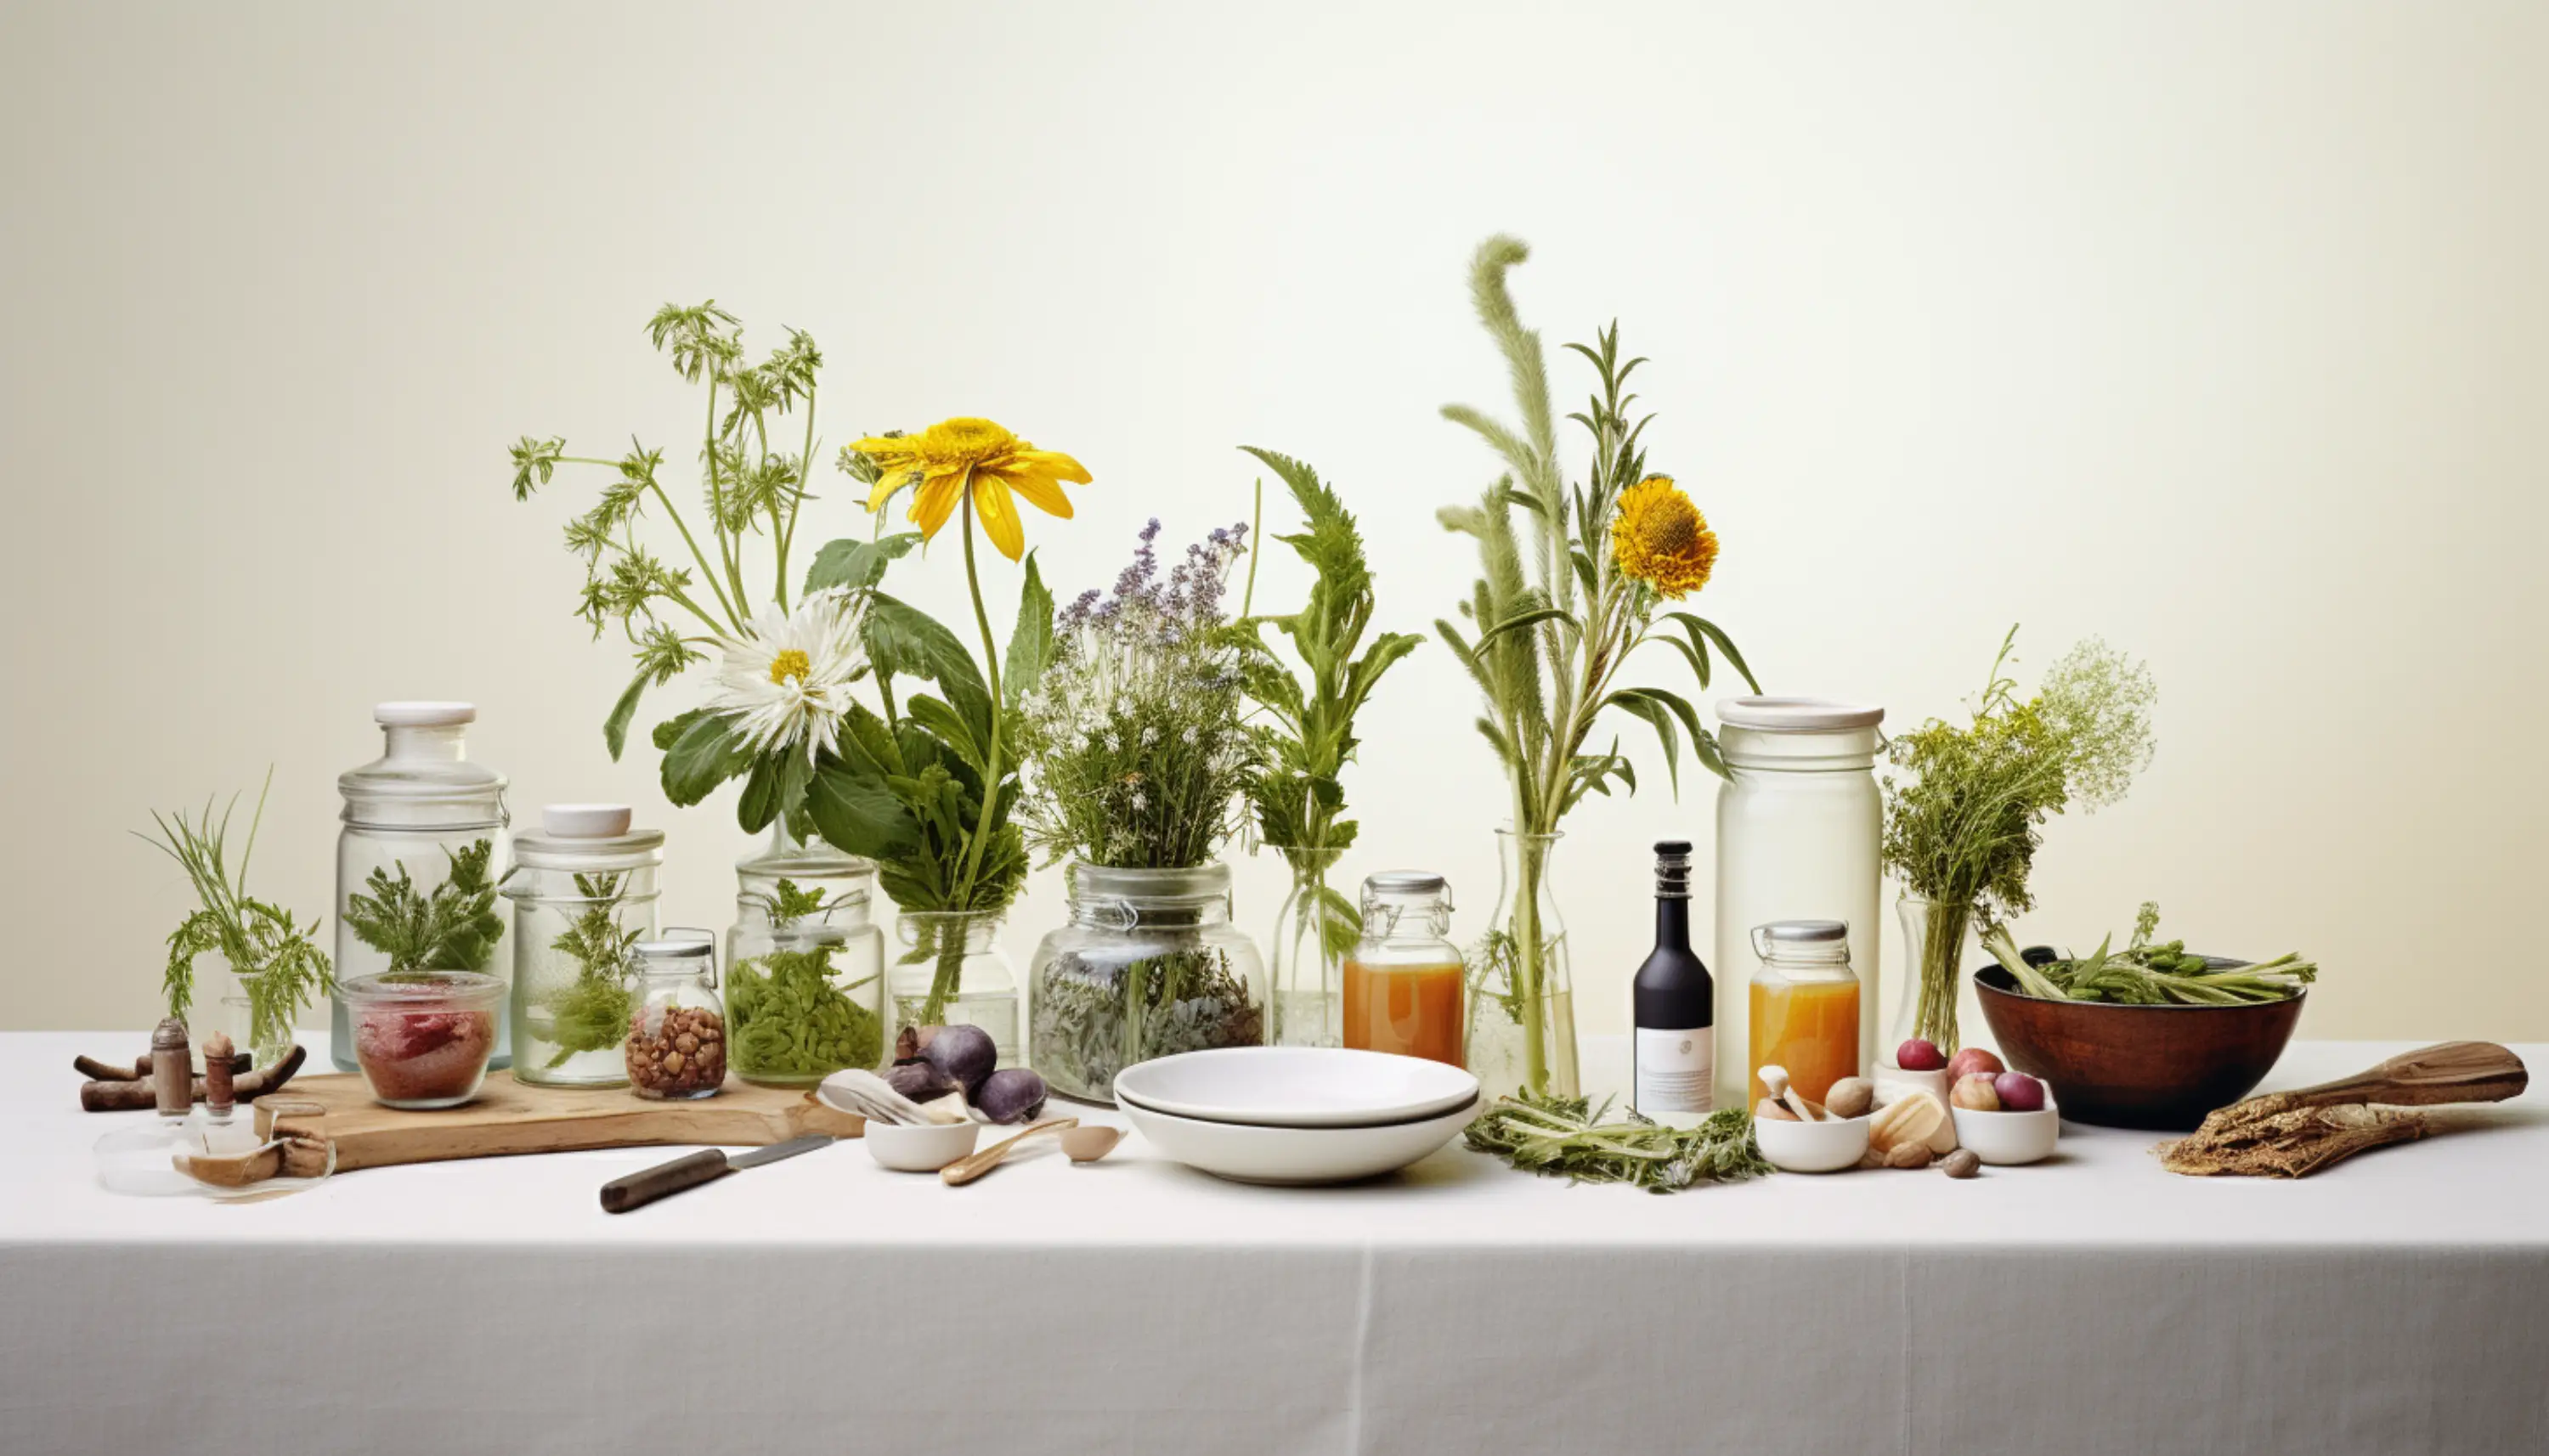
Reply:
x=805 y=967
x=1312 y=934
x=1933 y=954
x=584 y=892
x=1522 y=999
x=1149 y=965
x=949 y=971
x=257 y=1025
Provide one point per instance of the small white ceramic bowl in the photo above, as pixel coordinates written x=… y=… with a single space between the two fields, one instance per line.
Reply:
x=1812 y=1147
x=922 y=1148
x=2008 y=1138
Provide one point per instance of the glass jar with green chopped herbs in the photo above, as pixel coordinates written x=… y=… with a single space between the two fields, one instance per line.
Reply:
x=806 y=968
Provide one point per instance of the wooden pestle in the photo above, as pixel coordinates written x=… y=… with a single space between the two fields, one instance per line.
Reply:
x=2452 y=1071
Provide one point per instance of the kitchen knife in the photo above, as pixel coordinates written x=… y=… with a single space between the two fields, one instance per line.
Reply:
x=708 y=1165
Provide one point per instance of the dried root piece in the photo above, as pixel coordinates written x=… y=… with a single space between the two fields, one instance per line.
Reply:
x=106 y=1096
x=2292 y=1144
x=107 y=1072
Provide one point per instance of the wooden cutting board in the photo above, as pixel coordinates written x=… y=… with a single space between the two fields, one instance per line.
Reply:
x=509 y=1116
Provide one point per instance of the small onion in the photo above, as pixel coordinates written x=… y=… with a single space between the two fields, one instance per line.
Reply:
x=2019 y=1092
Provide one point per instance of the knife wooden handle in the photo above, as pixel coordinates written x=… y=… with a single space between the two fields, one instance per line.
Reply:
x=663 y=1180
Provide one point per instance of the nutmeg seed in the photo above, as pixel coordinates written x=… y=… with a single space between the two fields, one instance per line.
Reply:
x=1909 y=1155
x=1964 y=1162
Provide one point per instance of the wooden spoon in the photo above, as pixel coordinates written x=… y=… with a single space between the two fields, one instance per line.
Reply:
x=1088 y=1144
x=974 y=1165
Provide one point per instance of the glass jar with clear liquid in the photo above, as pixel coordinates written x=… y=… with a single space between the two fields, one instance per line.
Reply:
x=1798 y=828
x=417 y=863
x=583 y=891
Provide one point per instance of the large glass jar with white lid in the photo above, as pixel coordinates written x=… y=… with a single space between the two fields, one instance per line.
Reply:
x=1150 y=964
x=805 y=967
x=1798 y=826
x=1404 y=979
x=418 y=859
x=583 y=890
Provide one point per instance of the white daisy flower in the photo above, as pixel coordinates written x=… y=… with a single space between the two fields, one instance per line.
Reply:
x=786 y=684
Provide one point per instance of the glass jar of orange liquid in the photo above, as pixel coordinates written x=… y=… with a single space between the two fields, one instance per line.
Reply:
x=1805 y=1006
x=1404 y=978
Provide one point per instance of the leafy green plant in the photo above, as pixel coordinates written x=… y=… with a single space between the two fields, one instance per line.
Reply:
x=677 y=616
x=456 y=927
x=590 y=1011
x=1572 y=584
x=276 y=959
x=1965 y=813
x=1306 y=734
x=1566 y=1137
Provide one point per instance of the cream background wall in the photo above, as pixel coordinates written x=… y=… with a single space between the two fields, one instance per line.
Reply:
x=2216 y=330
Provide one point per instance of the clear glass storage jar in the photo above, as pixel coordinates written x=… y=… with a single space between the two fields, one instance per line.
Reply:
x=583 y=894
x=1404 y=979
x=949 y=971
x=1807 y=1015
x=805 y=967
x=1798 y=825
x=418 y=859
x=1149 y=965
x=676 y=1047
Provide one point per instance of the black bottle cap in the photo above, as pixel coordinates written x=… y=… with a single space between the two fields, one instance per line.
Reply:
x=1673 y=869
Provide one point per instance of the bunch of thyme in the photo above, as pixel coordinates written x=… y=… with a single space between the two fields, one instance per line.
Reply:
x=1566 y=1137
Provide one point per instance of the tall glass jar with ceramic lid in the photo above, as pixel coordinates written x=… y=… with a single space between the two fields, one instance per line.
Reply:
x=1798 y=825
x=1404 y=979
x=584 y=892
x=1150 y=964
x=805 y=966
x=418 y=861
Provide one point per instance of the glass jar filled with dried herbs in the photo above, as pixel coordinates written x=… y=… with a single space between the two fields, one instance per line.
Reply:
x=805 y=967
x=1150 y=964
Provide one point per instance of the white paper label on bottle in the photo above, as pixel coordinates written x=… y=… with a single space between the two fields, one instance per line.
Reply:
x=1673 y=1074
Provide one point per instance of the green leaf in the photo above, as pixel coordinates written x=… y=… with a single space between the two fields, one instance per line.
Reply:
x=775 y=787
x=1700 y=627
x=670 y=731
x=615 y=729
x=904 y=640
x=856 y=564
x=1637 y=702
x=1030 y=641
x=706 y=754
x=1530 y=618
x=943 y=722
x=856 y=811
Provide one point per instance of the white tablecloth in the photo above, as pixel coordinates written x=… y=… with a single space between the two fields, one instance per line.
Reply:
x=2093 y=1304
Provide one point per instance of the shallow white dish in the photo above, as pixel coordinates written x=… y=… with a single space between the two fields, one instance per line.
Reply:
x=1812 y=1147
x=922 y=1148
x=1296 y=1087
x=1295 y=1155
x=2009 y=1138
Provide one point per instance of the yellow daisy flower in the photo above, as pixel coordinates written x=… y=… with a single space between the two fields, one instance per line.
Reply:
x=954 y=457
x=1659 y=537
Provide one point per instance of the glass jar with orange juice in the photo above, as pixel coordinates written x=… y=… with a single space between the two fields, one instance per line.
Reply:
x=1805 y=1006
x=1404 y=980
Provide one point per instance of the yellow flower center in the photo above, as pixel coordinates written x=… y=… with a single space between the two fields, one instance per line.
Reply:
x=791 y=664
x=964 y=441
x=1668 y=527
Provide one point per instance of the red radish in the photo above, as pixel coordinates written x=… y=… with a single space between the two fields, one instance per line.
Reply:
x=2019 y=1092
x=1971 y=1060
x=1920 y=1054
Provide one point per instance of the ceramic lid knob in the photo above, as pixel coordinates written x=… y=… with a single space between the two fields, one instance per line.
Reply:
x=586 y=821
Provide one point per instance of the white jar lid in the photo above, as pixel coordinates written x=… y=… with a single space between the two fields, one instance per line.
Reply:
x=1797 y=714
x=424 y=714
x=586 y=821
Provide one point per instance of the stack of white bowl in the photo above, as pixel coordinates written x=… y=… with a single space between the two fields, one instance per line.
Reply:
x=1296 y=1114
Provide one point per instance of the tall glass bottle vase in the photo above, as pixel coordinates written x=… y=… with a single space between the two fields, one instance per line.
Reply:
x=1933 y=955
x=1522 y=999
x=1316 y=928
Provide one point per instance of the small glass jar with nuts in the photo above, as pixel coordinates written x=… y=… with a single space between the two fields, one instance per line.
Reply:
x=676 y=1047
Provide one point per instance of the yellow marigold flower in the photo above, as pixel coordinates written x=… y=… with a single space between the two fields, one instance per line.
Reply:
x=1659 y=537
x=955 y=457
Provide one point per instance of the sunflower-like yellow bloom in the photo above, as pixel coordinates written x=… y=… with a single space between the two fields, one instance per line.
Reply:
x=954 y=457
x=1659 y=537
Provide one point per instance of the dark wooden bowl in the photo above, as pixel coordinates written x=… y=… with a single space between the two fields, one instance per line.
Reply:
x=2137 y=1067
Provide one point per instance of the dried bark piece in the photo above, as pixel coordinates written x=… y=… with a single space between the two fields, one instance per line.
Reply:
x=2292 y=1144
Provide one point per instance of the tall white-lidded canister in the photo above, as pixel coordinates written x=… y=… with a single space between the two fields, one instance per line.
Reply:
x=1798 y=826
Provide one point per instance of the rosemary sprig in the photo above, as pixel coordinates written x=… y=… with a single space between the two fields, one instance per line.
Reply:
x=1568 y=1137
